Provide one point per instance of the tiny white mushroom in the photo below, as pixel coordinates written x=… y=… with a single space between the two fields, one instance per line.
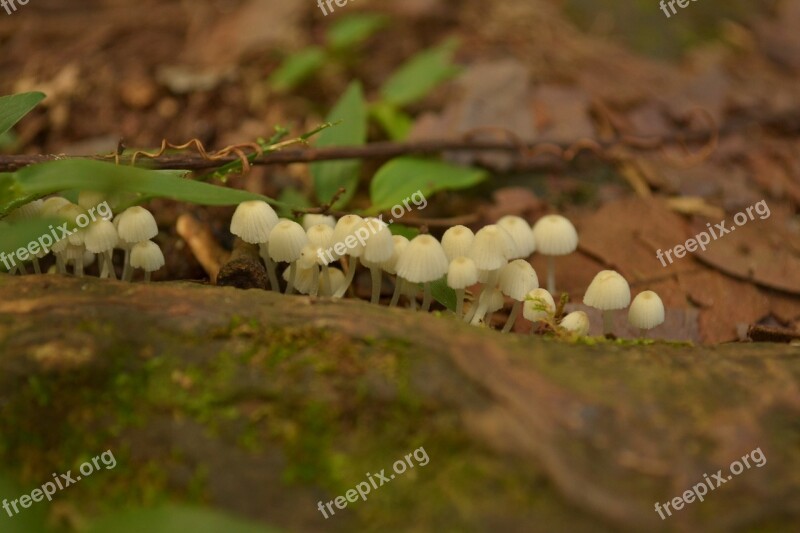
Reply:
x=136 y=224
x=311 y=220
x=461 y=274
x=379 y=248
x=344 y=236
x=423 y=261
x=490 y=251
x=390 y=266
x=253 y=222
x=576 y=322
x=538 y=305
x=286 y=243
x=456 y=242
x=646 y=311
x=555 y=235
x=101 y=238
x=521 y=234
x=320 y=238
x=517 y=279
x=607 y=292
x=147 y=256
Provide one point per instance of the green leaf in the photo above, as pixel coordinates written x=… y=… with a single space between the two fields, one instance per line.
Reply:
x=329 y=176
x=444 y=294
x=16 y=106
x=36 y=181
x=21 y=234
x=394 y=121
x=405 y=231
x=291 y=199
x=420 y=75
x=297 y=68
x=168 y=519
x=33 y=519
x=400 y=178
x=349 y=31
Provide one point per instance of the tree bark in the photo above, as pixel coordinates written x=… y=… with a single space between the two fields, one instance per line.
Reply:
x=271 y=403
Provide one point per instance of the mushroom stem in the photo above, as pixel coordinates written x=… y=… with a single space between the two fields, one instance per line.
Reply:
x=147 y=276
x=62 y=269
x=480 y=312
x=292 y=275
x=22 y=269
x=351 y=273
x=78 y=268
x=512 y=317
x=427 y=298
x=412 y=299
x=398 y=288
x=607 y=322
x=127 y=271
x=642 y=333
x=108 y=264
x=551 y=275
x=314 y=282
x=271 y=268
x=37 y=268
x=375 y=271
x=460 y=302
x=483 y=305
x=326 y=280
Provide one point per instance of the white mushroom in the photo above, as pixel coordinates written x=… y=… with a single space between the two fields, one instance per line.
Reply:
x=423 y=261
x=607 y=292
x=646 y=312
x=461 y=274
x=555 y=236
x=147 y=256
x=253 y=222
x=136 y=224
x=576 y=322
x=517 y=279
x=286 y=243
x=521 y=234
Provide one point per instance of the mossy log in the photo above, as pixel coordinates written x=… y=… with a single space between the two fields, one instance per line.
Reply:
x=263 y=405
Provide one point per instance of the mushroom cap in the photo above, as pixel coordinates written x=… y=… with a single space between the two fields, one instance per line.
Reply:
x=101 y=236
x=70 y=212
x=303 y=278
x=380 y=244
x=26 y=212
x=337 y=280
x=462 y=273
x=311 y=220
x=147 y=256
x=608 y=291
x=253 y=221
x=137 y=224
x=517 y=279
x=390 y=265
x=521 y=234
x=456 y=242
x=577 y=322
x=308 y=257
x=51 y=206
x=490 y=248
x=495 y=302
x=346 y=227
x=538 y=305
x=320 y=236
x=555 y=235
x=647 y=311
x=423 y=260
x=286 y=241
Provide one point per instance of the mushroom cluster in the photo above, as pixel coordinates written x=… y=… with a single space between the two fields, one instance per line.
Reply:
x=131 y=231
